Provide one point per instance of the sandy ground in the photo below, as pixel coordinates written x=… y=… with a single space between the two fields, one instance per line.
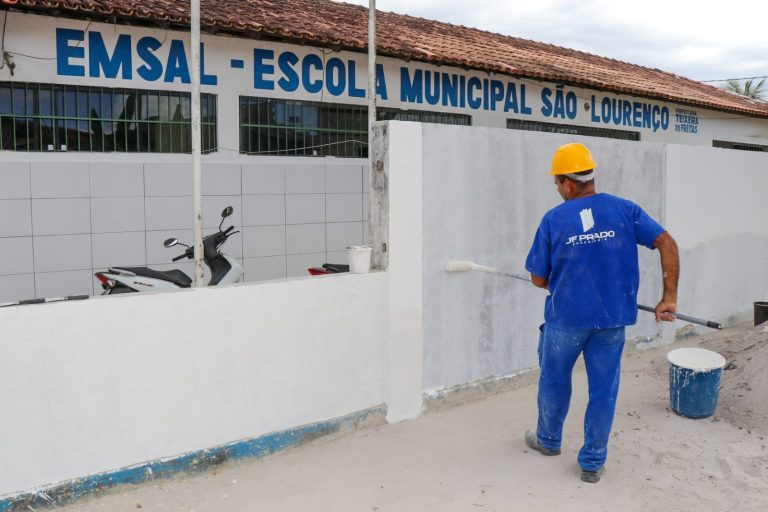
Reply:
x=472 y=457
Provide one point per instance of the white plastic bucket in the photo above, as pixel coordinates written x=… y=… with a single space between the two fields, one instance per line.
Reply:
x=359 y=259
x=694 y=381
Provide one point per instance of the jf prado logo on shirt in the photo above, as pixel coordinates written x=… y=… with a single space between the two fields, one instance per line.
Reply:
x=587 y=223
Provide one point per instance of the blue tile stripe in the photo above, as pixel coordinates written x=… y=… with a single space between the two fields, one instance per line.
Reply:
x=72 y=490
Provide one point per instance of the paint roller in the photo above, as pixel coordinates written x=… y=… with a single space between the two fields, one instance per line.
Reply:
x=466 y=266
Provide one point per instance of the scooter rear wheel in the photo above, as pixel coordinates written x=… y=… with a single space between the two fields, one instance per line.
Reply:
x=119 y=289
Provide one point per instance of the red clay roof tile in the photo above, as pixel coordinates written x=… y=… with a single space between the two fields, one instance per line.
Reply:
x=345 y=26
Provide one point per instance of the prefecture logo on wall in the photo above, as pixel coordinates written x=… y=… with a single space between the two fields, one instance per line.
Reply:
x=587 y=223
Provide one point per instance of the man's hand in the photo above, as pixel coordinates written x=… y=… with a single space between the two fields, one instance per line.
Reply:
x=539 y=282
x=670 y=271
x=664 y=310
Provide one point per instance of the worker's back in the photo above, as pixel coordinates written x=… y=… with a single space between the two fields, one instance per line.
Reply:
x=587 y=249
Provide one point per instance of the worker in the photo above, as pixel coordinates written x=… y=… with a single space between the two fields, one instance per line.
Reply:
x=585 y=254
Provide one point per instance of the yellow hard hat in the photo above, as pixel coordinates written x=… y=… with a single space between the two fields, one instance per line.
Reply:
x=572 y=158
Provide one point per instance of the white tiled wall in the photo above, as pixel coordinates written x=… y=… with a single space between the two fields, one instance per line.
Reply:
x=62 y=221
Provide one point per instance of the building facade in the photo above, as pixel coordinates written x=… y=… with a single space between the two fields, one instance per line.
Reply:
x=95 y=133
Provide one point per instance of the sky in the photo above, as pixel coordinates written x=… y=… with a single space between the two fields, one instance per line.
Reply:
x=695 y=39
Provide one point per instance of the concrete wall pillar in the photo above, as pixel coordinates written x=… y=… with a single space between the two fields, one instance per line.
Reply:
x=404 y=247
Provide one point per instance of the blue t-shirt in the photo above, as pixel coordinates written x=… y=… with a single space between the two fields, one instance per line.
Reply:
x=587 y=249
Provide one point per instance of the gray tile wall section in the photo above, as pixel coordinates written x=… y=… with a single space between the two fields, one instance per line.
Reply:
x=62 y=221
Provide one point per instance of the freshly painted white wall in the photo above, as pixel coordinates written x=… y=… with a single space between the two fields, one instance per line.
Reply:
x=406 y=328
x=716 y=208
x=93 y=386
x=485 y=191
x=97 y=385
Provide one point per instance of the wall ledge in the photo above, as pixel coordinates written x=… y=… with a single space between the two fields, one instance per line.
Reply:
x=53 y=496
x=460 y=394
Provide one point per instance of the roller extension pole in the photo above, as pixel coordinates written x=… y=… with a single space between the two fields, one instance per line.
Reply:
x=466 y=266
x=685 y=318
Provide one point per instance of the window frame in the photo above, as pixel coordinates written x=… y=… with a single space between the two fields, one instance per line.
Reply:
x=47 y=117
x=572 y=129
x=288 y=127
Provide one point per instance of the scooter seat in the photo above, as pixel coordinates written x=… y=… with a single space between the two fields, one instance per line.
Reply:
x=174 y=276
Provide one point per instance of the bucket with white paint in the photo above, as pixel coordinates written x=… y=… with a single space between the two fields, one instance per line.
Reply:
x=694 y=381
x=359 y=258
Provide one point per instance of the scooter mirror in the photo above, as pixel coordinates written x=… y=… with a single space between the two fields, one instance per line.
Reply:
x=226 y=212
x=170 y=242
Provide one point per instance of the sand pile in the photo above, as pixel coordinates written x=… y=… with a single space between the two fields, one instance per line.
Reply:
x=743 y=397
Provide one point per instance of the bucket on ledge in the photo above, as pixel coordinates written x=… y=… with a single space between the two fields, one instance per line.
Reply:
x=761 y=312
x=694 y=381
x=359 y=258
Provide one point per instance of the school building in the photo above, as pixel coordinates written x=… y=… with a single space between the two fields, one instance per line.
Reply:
x=95 y=124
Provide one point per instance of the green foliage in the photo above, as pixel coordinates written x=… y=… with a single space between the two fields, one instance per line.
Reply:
x=750 y=89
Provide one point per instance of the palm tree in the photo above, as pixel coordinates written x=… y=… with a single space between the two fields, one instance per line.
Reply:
x=750 y=89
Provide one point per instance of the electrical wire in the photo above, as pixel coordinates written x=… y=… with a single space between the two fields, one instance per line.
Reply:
x=725 y=117
x=729 y=79
x=329 y=51
x=87 y=27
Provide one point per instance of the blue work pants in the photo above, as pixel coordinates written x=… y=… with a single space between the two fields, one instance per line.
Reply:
x=558 y=350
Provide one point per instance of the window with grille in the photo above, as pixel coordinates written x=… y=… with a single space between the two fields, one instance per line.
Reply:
x=54 y=117
x=738 y=145
x=537 y=126
x=272 y=126
x=422 y=116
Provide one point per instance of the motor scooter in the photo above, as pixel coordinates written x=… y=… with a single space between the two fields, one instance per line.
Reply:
x=224 y=269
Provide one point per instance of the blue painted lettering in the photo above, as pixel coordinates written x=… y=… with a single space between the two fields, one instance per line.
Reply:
x=411 y=91
x=260 y=68
x=565 y=105
x=646 y=115
x=290 y=80
x=510 y=104
x=98 y=57
x=626 y=109
x=637 y=114
x=605 y=110
x=152 y=69
x=571 y=105
x=177 y=66
x=656 y=115
x=308 y=64
x=206 y=79
x=64 y=52
x=432 y=87
x=616 y=106
x=592 y=112
x=524 y=109
x=473 y=84
x=664 y=118
x=486 y=94
x=335 y=77
x=559 y=103
x=497 y=93
x=354 y=91
x=381 y=82
x=546 y=107
x=450 y=89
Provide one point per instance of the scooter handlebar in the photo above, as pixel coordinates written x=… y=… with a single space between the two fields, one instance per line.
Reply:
x=181 y=256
